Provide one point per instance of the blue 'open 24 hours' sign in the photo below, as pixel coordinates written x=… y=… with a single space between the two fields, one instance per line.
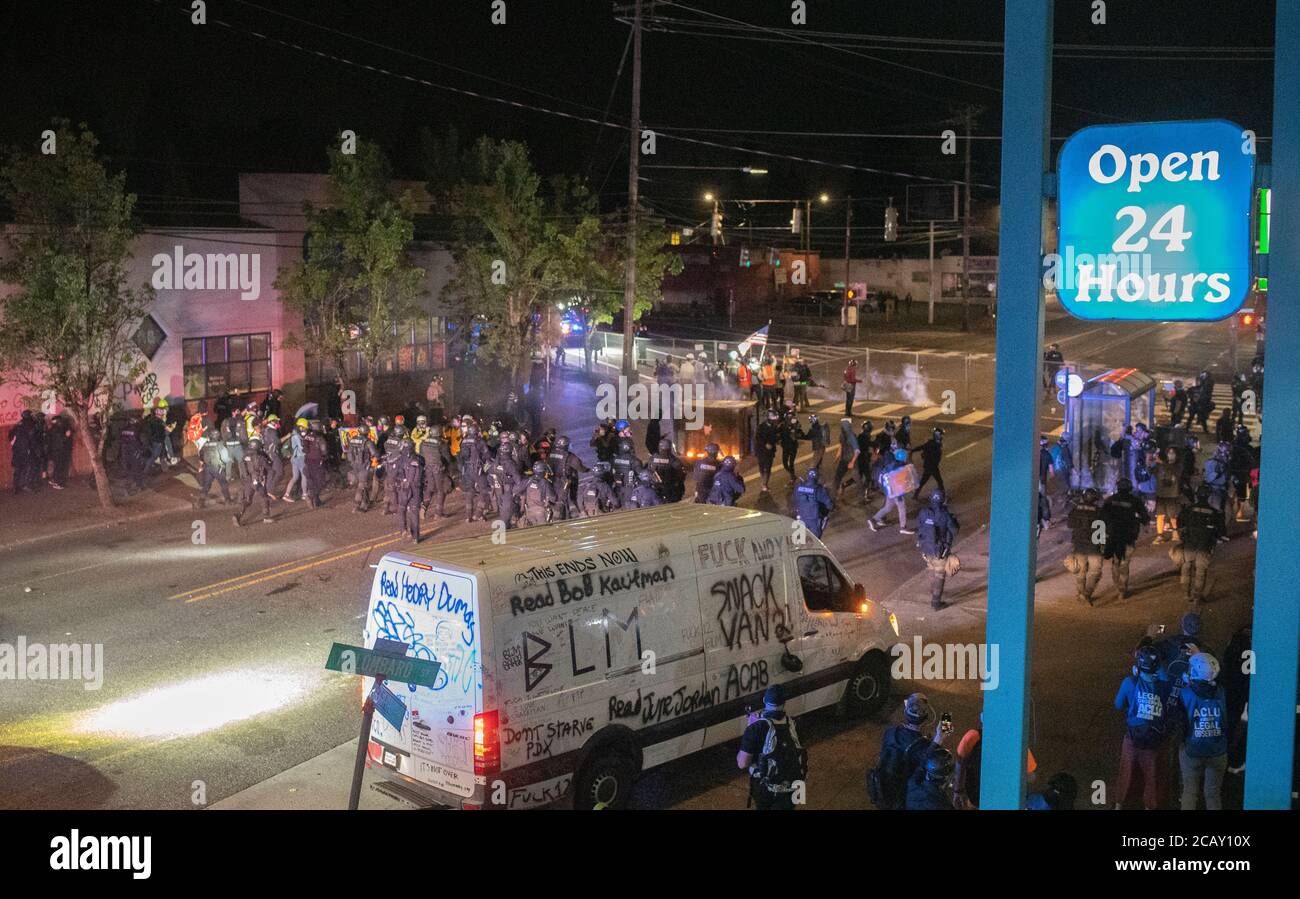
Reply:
x=1154 y=221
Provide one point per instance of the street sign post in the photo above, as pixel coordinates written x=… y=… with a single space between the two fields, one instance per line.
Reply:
x=1154 y=221
x=386 y=661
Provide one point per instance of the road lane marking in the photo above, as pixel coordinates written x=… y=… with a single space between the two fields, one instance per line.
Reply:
x=885 y=409
x=253 y=578
x=927 y=414
x=964 y=448
x=975 y=417
x=324 y=552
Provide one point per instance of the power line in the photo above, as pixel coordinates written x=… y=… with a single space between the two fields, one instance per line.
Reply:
x=380 y=70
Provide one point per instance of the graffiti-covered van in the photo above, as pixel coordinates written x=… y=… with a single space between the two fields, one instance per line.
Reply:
x=577 y=654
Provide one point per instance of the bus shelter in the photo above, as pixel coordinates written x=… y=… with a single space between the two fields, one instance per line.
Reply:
x=1098 y=416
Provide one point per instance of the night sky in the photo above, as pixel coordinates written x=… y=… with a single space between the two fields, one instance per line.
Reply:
x=184 y=108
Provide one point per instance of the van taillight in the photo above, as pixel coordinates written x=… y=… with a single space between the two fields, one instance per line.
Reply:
x=487 y=744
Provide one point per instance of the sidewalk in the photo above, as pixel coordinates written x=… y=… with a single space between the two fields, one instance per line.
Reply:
x=30 y=517
x=320 y=783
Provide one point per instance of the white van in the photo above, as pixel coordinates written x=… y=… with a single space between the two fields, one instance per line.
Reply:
x=577 y=654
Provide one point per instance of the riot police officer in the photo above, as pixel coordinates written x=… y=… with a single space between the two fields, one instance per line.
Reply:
x=669 y=478
x=258 y=470
x=568 y=468
x=728 y=485
x=812 y=503
x=503 y=476
x=1085 y=560
x=625 y=461
x=1200 y=526
x=409 y=475
x=437 y=466
x=1123 y=514
x=644 y=494
x=536 y=496
x=212 y=467
x=594 y=492
x=788 y=434
x=314 y=451
x=391 y=462
x=936 y=532
x=234 y=434
x=360 y=453
x=706 y=470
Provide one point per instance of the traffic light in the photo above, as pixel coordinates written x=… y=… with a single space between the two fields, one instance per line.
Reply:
x=891 y=223
x=1249 y=318
x=796 y=221
x=744 y=257
x=715 y=225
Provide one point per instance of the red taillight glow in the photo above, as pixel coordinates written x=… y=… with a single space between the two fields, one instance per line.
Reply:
x=374 y=751
x=487 y=744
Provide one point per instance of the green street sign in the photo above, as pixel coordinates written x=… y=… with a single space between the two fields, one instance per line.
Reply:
x=369 y=663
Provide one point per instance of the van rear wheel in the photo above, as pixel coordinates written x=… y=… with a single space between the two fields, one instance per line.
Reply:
x=868 y=688
x=605 y=781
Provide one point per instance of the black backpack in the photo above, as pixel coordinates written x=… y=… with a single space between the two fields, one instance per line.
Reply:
x=887 y=781
x=782 y=761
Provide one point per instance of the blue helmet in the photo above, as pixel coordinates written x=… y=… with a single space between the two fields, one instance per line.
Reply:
x=900 y=454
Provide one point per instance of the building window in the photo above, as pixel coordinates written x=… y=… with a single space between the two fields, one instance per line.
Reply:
x=214 y=365
x=421 y=347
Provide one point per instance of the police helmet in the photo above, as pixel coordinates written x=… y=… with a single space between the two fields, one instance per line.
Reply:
x=602 y=467
x=772 y=415
x=562 y=443
x=938 y=498
x=407 y=444
x=712 y=449
x=1092 y=495
x=254 y=442
x=938 y=765
x=1203 y=493
x=1123 y=485
x=1042 y=440
x=541 y=469
x=907 y=420
x=665 y=445
x=383 y=422
x=812 y=419
x=811 y=476
x=889 y=425
x=1148 y=659
x=1203 y=667
x=644 y=476
x=729 y=463
x=937 y=433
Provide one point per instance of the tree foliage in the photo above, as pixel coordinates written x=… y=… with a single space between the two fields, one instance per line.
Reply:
x=67 y=328
x=356 y=287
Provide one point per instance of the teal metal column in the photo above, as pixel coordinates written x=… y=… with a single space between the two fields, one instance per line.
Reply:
x=1026 y=98
x=1276 y=639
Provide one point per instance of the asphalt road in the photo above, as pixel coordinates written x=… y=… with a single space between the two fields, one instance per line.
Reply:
x=213 y=652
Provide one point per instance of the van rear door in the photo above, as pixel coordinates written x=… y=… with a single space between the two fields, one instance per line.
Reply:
x=435 y=612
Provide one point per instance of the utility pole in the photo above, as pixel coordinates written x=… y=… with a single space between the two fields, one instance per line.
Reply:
x=931 y=317
x=634 y=157
x=848 y=230
x=965 y=237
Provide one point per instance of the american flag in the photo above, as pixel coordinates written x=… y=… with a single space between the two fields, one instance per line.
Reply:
x=758 y=338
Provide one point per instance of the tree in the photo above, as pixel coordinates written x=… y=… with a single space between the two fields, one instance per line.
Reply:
x=591 y=264
x=356 y=285
x=508 y=229
x=67 y=329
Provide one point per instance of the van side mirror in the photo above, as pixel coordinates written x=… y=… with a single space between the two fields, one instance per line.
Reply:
x=859 y=593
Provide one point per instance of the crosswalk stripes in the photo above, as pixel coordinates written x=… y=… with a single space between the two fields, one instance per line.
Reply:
x=927 y=414
x=973 y=418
